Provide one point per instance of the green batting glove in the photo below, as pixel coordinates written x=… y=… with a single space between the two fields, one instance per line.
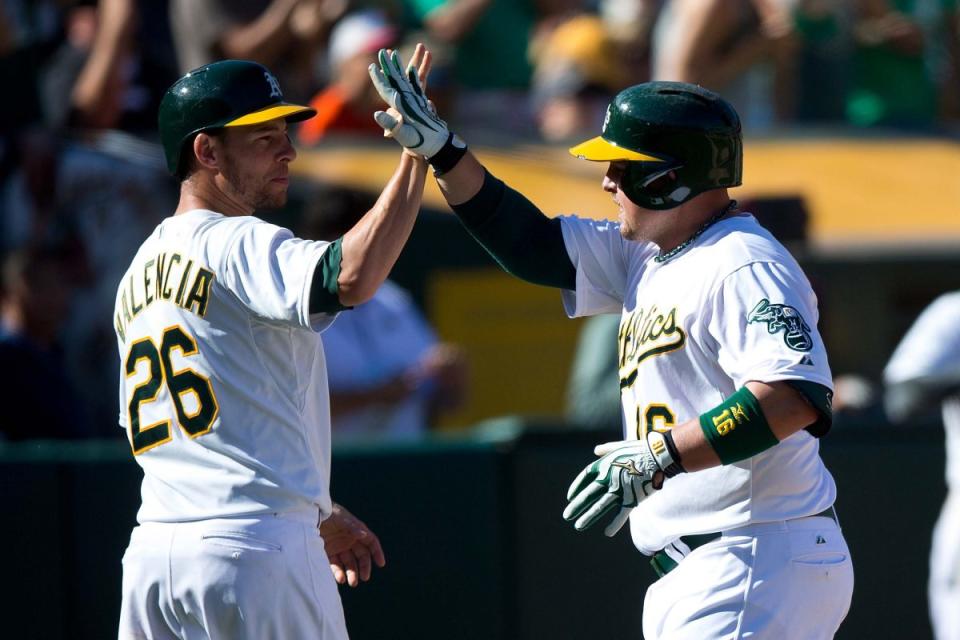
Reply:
x=621 y=479
x=419 y=128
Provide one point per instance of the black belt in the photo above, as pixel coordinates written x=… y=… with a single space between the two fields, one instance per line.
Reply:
x=664 y=564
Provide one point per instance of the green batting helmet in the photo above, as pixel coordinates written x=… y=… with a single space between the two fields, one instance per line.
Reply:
x=229 y=93
x=664 y=127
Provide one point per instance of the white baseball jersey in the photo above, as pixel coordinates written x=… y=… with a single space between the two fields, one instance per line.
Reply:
x=930 y=355
x=931 y=350
x=384 y=337
x=223 y=386
x=732 y=308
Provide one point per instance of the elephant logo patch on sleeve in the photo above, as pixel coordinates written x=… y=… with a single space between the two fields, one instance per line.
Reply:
x=783 y=317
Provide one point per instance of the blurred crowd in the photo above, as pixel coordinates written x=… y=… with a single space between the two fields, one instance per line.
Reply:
x=81 y=173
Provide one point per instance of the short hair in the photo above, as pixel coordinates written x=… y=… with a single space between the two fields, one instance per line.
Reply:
x=188 y=161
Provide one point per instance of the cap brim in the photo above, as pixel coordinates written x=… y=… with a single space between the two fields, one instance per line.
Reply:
x=292 y=112
x=600 y=149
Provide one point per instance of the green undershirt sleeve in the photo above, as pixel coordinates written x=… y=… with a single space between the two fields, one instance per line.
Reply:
x=821 y=398
x=524 y=242
x=324 y=291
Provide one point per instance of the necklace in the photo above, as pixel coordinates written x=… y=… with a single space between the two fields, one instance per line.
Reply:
x=664 y=257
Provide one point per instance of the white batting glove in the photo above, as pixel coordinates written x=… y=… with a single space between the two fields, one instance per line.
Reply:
x=622 y=478
x=419 y=129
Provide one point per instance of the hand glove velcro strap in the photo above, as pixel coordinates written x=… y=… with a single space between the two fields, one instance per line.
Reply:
x=448 y=156
x=665 y=453
x=737 y=428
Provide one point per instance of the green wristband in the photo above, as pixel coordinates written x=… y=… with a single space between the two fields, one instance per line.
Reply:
x=737 y=428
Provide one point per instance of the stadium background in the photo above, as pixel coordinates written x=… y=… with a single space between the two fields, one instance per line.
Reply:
x=870 y=207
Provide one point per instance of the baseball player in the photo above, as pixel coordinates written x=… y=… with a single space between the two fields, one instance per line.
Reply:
x=223 y=387
x=923 y=370
x=724 y=378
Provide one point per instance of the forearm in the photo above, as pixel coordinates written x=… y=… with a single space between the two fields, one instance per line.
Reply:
x=92 y=88
x=372 y=246
x=785 y=410
x=264 y=39
x=523 y=241
x=918 y=395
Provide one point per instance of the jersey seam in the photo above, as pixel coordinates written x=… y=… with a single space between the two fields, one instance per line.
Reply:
x=721 y=281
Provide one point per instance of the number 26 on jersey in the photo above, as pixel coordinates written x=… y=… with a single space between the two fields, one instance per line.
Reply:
x=192 y=394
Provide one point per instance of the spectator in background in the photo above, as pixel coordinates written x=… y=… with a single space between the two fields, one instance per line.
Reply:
x=744 y=49
x=924 y=372
x=347 y=104
x=906 y=58
x=823 y=62
x=37 y=396
x=630 y=24
x=390 y=376
x=578 y=71
x=593 y=391
x=101 y=181
x=285 y=35
x=489 y=39
x=99 y=78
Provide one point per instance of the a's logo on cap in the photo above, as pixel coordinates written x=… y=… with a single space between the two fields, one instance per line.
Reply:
x=606 y=118
x=274 y=85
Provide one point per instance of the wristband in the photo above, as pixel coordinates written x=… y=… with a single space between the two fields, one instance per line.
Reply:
x=665 y=453
x=737 y=428
x=448 y=156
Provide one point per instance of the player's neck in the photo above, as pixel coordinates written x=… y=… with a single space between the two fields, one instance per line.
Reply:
x=689 y=219
x=202 y=192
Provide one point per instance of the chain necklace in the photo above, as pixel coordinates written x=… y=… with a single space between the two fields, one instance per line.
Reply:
x=664 y=257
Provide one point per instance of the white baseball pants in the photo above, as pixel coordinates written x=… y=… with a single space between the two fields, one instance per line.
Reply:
x=789 y=580
x=264 y=577
x=944 y=586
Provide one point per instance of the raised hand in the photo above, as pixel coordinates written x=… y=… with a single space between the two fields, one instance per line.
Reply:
x=412 y=120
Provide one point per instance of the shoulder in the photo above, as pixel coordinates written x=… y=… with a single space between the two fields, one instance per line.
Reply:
x=228 y=230
x=947 y=304
x=593 y=234
x=739 y=242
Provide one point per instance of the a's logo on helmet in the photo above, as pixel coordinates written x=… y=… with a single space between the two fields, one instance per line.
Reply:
x=274 y=85
x=606 y=118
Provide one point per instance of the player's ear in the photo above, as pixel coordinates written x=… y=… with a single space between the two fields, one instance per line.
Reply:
x=206 y=150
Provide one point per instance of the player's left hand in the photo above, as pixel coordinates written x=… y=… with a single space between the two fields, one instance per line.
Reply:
x=623 y=477
x=352 y=548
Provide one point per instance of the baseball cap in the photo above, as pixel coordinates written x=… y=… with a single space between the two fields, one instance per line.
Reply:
x=361 y=32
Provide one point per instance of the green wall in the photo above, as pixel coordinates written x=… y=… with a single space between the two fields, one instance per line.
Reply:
x=475 y=544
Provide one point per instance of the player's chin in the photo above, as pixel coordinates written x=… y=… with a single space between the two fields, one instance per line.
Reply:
x=272 y=200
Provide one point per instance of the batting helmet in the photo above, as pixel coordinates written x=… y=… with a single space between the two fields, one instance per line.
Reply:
x=664 y=127
x=230 y=93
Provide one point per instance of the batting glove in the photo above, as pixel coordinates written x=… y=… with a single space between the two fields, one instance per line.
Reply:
x=622 y=478
x=419 y=129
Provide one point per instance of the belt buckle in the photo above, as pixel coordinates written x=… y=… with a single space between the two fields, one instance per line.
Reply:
x=662 y=563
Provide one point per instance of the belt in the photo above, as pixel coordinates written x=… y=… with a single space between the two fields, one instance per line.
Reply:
x=663 y=564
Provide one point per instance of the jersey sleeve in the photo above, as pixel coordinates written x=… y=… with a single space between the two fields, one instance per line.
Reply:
x=931 y=348
x=763 y=320
x=597 y=252
x=270 y=271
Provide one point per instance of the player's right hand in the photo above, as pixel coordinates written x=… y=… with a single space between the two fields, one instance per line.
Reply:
x=351 y=547
x=623 y=477
x=412 y=122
